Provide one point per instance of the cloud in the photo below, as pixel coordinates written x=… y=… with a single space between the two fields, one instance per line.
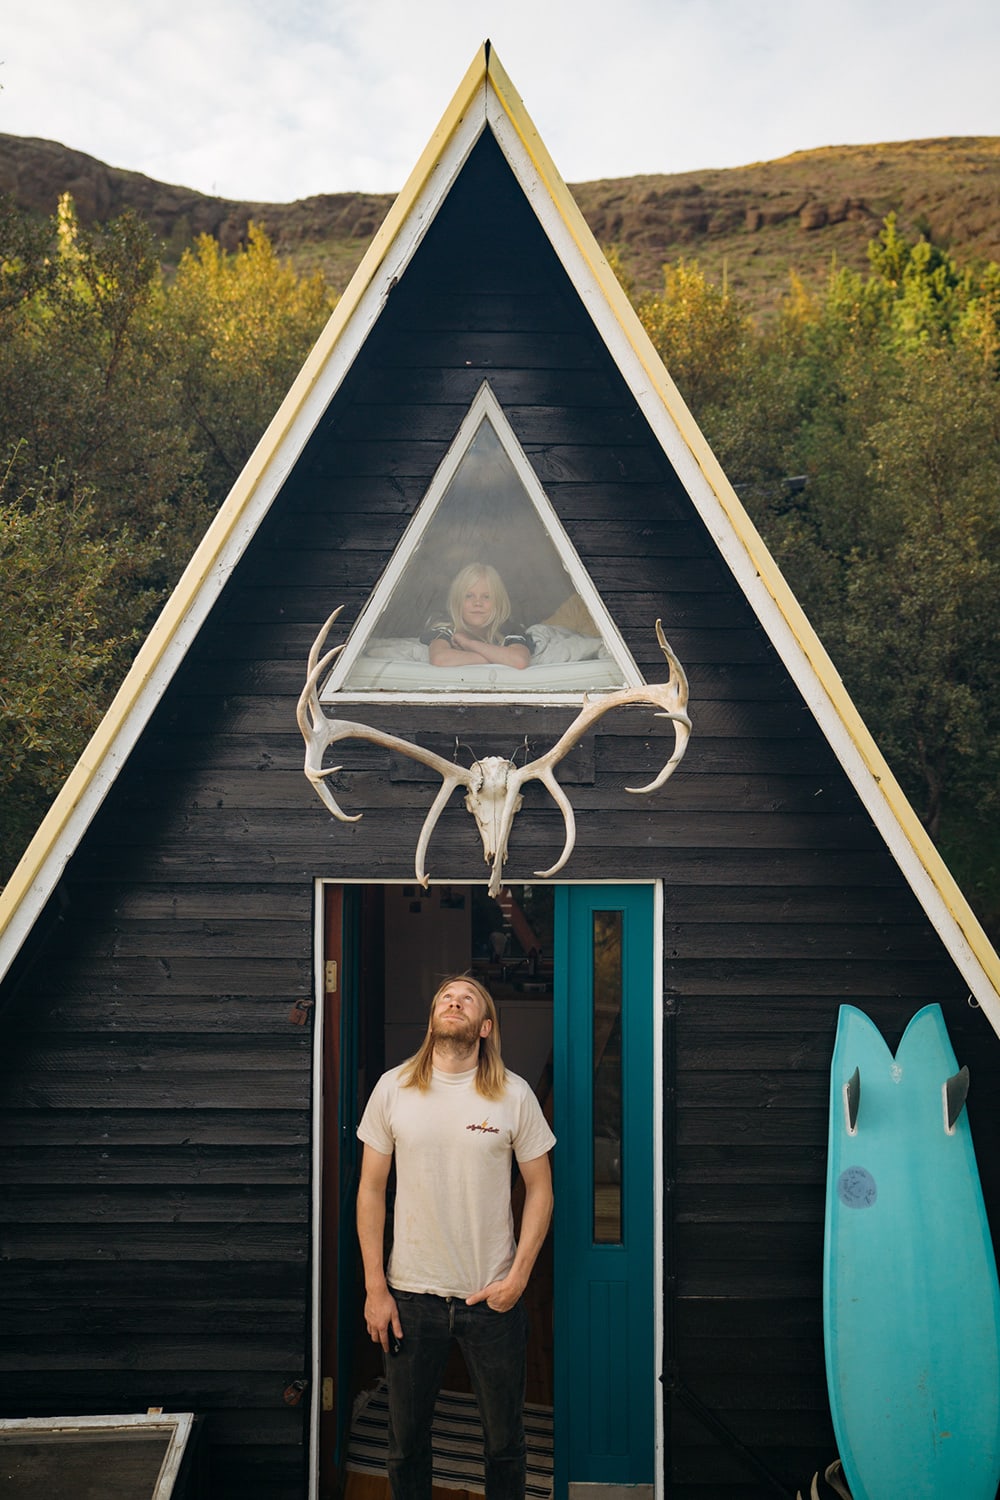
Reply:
x=256 y=100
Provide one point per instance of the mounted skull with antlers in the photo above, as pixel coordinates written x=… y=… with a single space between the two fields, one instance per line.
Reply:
x=493 y=784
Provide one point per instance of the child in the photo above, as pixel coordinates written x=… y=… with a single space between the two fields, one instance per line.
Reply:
x=479 y=608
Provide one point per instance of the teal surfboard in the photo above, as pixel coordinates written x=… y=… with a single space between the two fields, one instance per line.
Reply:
x=911 y=1302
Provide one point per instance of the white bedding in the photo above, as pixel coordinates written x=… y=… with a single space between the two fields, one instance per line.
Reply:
x=563 y=661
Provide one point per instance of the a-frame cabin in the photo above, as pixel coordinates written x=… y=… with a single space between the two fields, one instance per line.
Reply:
x=204 y=971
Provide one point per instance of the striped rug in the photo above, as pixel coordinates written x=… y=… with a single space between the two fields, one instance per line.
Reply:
x=458 y=1441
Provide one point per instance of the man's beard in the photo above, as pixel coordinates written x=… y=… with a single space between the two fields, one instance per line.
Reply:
x=455 y=1034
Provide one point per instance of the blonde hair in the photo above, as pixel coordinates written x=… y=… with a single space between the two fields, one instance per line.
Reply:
x=460 y=585
x=491 y=1075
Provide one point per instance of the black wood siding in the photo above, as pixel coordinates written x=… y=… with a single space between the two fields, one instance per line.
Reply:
x=154 y=1099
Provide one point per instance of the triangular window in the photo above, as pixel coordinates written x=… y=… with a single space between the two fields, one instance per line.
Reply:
x=485 y=592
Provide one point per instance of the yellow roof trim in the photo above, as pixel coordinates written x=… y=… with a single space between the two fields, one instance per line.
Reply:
x=485 y=71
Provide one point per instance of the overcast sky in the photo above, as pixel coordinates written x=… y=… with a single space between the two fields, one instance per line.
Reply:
x=271 y=100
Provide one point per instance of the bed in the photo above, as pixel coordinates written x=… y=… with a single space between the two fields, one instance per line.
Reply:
x=563 y=661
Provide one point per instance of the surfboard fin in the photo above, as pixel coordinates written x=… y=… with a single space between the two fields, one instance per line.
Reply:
x=956 y=1091
x=852 y=1096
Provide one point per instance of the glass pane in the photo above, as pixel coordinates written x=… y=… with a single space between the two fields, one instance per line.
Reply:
x=607 y=1103
x=487 y=569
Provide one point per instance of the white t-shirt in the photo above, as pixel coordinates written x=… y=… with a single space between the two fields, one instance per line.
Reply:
x=453 y=1230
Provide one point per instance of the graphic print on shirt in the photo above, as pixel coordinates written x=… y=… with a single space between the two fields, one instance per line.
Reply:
x=485 y=1127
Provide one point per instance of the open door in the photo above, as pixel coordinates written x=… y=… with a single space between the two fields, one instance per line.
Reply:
x=605 y=1338
x=385 y=949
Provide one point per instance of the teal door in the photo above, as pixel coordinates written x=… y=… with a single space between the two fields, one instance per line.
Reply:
x=605 y=1283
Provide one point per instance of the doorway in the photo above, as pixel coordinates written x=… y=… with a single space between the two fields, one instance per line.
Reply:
x=571 y=969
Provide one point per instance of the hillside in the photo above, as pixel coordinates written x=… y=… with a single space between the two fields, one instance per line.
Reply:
x=752 y=225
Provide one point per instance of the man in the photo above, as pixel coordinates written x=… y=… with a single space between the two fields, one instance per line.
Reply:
x=453 y=1116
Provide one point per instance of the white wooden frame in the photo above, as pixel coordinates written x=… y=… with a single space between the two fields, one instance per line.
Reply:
x=176 y=1427
x=484 y=407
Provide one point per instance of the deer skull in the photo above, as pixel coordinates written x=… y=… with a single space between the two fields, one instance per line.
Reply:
x=486 y=800
x=493 y=784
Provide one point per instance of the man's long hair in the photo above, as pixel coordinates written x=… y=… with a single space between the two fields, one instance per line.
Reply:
x=491 y=1075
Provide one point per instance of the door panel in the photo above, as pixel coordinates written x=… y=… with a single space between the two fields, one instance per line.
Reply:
x=605 y=1302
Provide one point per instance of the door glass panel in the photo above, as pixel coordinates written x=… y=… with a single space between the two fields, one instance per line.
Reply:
x=607 y=1098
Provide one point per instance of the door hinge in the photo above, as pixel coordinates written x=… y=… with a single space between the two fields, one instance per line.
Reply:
x=330 y=976
x=327 y=1393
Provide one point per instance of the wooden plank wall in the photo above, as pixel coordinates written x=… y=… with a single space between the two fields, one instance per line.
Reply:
x=154 y=1098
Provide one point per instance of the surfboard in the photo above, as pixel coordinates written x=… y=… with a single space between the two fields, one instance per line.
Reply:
x=911 y=1302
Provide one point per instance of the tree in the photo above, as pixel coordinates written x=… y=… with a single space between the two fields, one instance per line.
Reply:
x=922 y=595
x=893 y=544
x=235 y=331
x=84 y=396
x=127 y=406
x=71 y=641
x=701 y=332
x=862 y=429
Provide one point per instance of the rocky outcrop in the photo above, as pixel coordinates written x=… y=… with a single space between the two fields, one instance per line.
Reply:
x=35 y=173
x=751 y=225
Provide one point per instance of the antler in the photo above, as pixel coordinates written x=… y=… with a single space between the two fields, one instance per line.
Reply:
x=670 y=697
x=320 y=732
x=493 y=784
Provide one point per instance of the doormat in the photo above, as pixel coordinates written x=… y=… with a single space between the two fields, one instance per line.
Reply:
x=457 y=1437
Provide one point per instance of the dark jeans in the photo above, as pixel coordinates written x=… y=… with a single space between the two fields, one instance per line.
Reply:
x=494 y=1346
